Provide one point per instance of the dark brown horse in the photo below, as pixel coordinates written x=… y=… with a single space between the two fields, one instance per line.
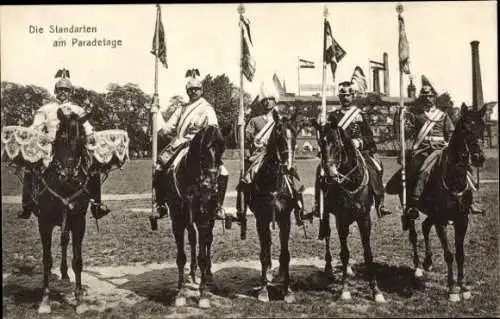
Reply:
x=448 y=197
x=347 y=195
x=271 y=199
x=64 y=200
x=191 y=192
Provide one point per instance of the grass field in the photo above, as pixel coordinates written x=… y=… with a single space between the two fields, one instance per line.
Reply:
x=125 y=238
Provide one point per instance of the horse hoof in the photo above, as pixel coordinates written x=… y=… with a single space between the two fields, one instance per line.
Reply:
x=65 y=278
x=346 y=295
x=454 y=297
x=204 y=303
x=379 y=298
x=180 y=301
x=466 y=294
x=290 y=298
x=81 y=308
x=419 y=273
x=263 y=296
x=43 y=309
x=349 y=271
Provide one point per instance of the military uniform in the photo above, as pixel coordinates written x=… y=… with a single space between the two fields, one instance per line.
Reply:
x=355 y=124
x=46 y=121
x=185 y=122
x=257 y=132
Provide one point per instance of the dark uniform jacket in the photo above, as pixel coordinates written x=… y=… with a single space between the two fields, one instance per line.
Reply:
x=358 y=129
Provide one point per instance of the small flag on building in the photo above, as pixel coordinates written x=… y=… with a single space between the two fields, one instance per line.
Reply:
x=404 y=48
x=304 y=64
x=161 y=51
x=359 y=80
x=333 y=51
x=248 y=63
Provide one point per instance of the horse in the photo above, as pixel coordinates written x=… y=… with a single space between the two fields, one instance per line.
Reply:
x=271 y=199
x=448 y=197
x=348 y=196
x=64 y=201
x=191 y=192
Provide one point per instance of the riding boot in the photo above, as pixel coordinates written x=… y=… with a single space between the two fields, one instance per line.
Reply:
x=379 y=206
x=97 y=208
x=222 y=186
x=28 y=204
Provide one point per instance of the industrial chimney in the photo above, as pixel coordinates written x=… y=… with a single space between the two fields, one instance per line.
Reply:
x=386 y=75
x=477 y=87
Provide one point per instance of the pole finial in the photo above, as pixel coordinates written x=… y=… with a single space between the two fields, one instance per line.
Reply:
x=399 y=8
x=241 y=9
x=325 y=12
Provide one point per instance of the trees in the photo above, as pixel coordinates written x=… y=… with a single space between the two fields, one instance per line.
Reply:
x=225 y=98
x=20 y=102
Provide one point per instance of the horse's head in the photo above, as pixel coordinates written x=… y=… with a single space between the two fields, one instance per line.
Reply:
x=336 y=147
x=282 y=140
x=470 y=128
x=70 y=144
x=206 y=150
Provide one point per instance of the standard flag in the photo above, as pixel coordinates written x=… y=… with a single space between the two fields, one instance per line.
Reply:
x=277 y=84
x=404 y=48
x=304 y=64
x=248 y=63
x=161 y=52
x=333 y=51
x=359 y=80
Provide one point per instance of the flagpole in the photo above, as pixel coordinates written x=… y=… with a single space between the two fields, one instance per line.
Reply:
x=323 y=109
x=241 y=124
x=154 y=109
x=399 y=10
x=298 y=74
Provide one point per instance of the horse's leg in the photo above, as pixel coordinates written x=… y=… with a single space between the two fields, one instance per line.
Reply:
x=203 y=224
x=64 y=253
x=460 y=231
x=365 y=226
x=285 y=224
x=453 y=292
x=343 y=232
x=77 y=234
x=46 y=235
x=192 y=238
x=328 y=255
x=412 y=234
x=426 y=229
x=178 y=226
x=265 y=255
x=210 y=239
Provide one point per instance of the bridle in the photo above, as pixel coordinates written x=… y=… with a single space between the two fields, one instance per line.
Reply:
x=338 y=178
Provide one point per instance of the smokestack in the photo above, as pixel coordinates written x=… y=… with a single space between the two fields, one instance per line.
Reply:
x=386 y=74
x=477 y=87
x=376 y=80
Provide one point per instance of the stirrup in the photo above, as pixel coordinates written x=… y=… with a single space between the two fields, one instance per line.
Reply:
x=220 y=213
x=99 y=210
x=412 y=213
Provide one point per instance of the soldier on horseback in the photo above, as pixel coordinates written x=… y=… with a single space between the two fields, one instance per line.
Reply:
x=432 y=129
x=257 y=133
x=46 y=121
x=354 y=122
x=185 y=122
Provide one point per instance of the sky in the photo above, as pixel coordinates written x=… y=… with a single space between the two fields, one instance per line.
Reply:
x=206 y=36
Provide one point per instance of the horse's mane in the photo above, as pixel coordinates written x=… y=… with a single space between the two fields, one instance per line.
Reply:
x=208 y=137
x=344 y=136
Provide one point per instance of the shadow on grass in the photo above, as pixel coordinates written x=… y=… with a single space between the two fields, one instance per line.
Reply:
x=27 y=289
x=392 y=279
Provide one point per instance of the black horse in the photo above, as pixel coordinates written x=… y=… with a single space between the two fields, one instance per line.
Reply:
x=64 y=200
x=448 y=197
x=191 y=192
x=271 y=199
x=347 y=195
